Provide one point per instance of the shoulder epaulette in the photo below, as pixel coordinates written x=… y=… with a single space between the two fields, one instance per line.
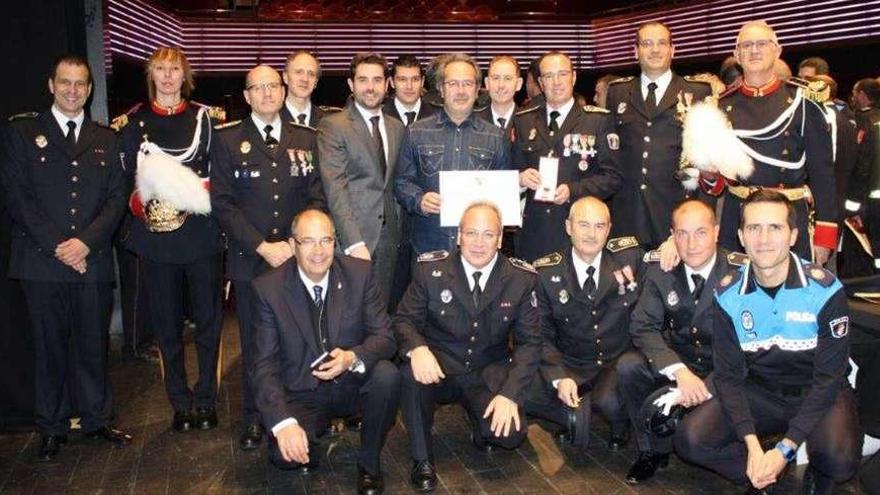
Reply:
x=651 y=256
x=699 y=78
x=729 y=280
x=433 y=256
x=327 y=108
x=122 y=120
x=733 y=88
x=622 y=79
x=595 y=109
x=297 y=124
x=522 y=265
x=227 y=125
x=737 y=259
x=216 y=113
x=25 y=115
x=526 y=110
x=822 y=276
x=620 y=243
x=551 y=259
x=818 y=91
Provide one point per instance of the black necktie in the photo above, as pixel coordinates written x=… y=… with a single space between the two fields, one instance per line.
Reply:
x=377 y=141
x=319 y=311
x=590 y=282
x=410 y=118
x=699 y=282
x=301 y=118
x=270 y=141
x=651 y=100
x=477 y=292
x=554 y=126
x=71 y=133
x=501 y=122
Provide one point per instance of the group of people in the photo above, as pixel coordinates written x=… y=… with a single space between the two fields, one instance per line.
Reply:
x=623 y=293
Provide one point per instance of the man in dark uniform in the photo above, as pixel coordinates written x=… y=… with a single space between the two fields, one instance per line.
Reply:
x=671 y=329
x=585 y=296
x=301 y=74
x=582 y=145
x=503 y=80
x=408 y=81
x=66 y=194
x=863 y=192
x=454 y=328
x=316 y=304
x=781 y=353
x=794 y=157
x=648 y=112
x=264 y=171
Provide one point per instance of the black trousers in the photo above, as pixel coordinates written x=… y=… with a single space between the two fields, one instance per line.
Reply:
x=600 y=395
x=137 y=332
x=640 y=385
x=706 y=437
x=375 y=394
x=70 y=322
x=165 y=285
x=244 y=308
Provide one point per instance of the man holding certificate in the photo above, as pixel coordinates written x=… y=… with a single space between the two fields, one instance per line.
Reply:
x=454 y=139
x=563 y=153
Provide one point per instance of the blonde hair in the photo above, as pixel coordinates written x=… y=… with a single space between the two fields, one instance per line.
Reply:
x=174 y=55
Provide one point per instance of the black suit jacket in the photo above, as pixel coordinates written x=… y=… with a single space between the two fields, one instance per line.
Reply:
x=425 y=110
x=284 y=338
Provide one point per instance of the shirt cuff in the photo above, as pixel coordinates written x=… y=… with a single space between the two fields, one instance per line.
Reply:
x=354 y=246
x=555 y=383
x=852 y=206
x=283 y=424
x=357 y=366
x=669 y=371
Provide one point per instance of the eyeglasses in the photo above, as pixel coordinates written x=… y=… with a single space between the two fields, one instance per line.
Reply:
x=473 y=235
x=761 y=45
x=311 y=242
x=272 y=86
x=563 y=74
x=466 y=84
x=648 y=44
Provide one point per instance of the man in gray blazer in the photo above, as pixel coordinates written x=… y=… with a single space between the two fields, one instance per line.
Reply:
x=358 y=148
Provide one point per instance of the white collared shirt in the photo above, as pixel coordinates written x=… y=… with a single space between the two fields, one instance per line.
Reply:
x=310 y=284
x=295 y=113
x=366 y=114
x=469 y=270
x=662 y=83
x=509 y=116
x=704 y=272
x=64 y=119
x=563 y=112
x=276 y=126
x=401 y=110
x=580 y=267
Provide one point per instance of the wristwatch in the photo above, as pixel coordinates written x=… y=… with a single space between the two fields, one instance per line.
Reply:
x=788 y=453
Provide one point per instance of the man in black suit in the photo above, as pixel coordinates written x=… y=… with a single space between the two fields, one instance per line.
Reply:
x=66 y=194
x=647 y=112
x=264 y=171
x=455 y=326
x=408 y=81
x=301 y=74
x=319 y=303
x=503 y=80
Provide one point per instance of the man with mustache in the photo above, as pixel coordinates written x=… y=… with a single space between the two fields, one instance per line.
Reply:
x=301 y=74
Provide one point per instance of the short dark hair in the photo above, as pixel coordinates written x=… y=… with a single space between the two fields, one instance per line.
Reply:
x=682 y=204
x=407 y=61
x=303 y=52
x=606 y=79
x=552 y=53
x=769 y=196
x=817 y=63
x=70 y=59
x=535 y=69
x=373 y=58
x=649 y=24
x=730 y=71
x=503 y=58
x=871 y=88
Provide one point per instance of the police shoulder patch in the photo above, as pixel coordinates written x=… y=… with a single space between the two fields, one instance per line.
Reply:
x=652 y=256
x=595 y=109
x=822 y=276
x=620 y=243
x=303 y=126
x=737 y=259
x=622 y=80
x=22 y=116
x=522 y=265
x=433 y=256
x=328 y=108
x=527 y=110
x=227 y=125
x=551 y=259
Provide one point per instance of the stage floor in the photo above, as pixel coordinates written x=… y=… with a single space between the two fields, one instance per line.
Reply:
x=162 y=461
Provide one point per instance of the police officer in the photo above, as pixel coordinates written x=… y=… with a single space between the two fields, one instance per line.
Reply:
x=585 y=296
x=66 y=194
x=647 y=112
x=863 y=193
x=180 y=253
x=301 y=74
x=582 y=143
x=454 y=329
x=264 y=171
x=671 y=330
x=780 y=353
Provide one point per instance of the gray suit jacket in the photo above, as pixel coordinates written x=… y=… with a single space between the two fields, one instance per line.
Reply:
x=356 y=192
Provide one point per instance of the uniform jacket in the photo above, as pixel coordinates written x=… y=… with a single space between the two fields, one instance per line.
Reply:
x=55 y=192
x=317 y=113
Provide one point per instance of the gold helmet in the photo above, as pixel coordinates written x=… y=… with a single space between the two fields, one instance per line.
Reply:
x=161 y=216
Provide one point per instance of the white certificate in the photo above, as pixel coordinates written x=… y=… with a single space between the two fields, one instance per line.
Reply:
x=460 y=188
x=548 y=168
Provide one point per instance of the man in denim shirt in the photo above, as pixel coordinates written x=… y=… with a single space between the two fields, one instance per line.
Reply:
x=454 y=139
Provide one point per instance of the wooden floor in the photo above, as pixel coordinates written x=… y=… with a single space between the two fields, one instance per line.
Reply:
x=162 y=461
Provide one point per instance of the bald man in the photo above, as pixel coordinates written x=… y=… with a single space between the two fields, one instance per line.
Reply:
x=585 y=297
x=264 y=171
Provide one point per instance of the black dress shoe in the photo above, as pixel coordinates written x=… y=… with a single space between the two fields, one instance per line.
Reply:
x=645 y=467
x=765 y=491
x=206 y=418
x=618 y=439
x=369 y=484
x=423 y=476
x=112 y=435
x=183 y=421
x=49 y=446
x=251 y=438
x=480 y=443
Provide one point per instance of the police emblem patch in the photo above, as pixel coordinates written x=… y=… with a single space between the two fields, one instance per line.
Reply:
x=534 y=300
x=532 y=134
x=839 y=327
x=672 y=298
x=613 y=141
x=41 y=141
x=446 y=296
x=583 y=165
x=245 y=147
x=436 y=273
x=748 y=323
x=563 y=296
x=555 y=279
x=621 y=107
